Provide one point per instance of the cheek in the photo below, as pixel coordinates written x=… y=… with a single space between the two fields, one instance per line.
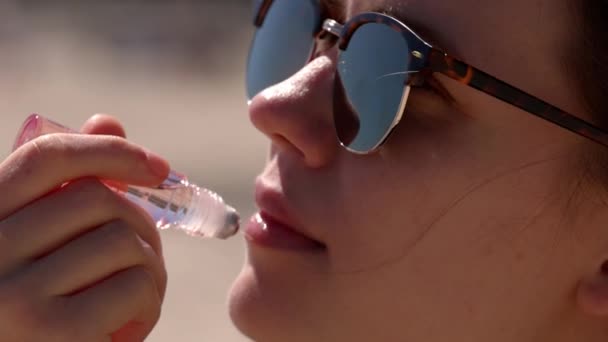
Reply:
x=456 y=268
x=439 y=178
x=388 y=201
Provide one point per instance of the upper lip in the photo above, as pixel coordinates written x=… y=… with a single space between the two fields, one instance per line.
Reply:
x=274 y=204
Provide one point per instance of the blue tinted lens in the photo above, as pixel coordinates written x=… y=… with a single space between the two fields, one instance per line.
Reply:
x=282 y=45
x=372 y=76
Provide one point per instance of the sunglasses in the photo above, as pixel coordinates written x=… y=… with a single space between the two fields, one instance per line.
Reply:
x=378 y=62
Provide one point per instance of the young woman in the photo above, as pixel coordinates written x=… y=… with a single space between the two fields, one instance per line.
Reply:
x=475 y=220
x=482 y=217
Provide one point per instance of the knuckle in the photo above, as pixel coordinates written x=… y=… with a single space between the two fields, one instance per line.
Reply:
x=59 y=329
x=120 y=237
x=65 y=323
x=140 y=282
x=57 y=148
x=155 y=313
x=158 y=269
x=6 y=250
x=163 y=277
x=23 y=314
x=50 y=147
x=93 y=193
x=150 y=297
x=137 y=156
x=41 y=151
x=14 y=295
x=115 y=143
x=143 y=282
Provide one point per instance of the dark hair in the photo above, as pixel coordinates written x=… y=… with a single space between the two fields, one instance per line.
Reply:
x=587 y=62
x=591 y=58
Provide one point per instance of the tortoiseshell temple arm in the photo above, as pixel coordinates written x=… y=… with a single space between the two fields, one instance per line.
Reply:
x=466 y=74
x=260 y=9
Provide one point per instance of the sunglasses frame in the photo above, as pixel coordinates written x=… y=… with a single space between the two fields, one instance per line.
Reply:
x=429 y=59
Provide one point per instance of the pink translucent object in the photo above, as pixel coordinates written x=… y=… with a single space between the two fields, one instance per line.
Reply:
x=176 y=203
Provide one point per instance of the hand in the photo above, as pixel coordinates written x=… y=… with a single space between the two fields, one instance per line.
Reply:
x=78 y=262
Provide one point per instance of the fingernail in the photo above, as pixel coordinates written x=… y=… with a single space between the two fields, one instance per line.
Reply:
x=158 y=165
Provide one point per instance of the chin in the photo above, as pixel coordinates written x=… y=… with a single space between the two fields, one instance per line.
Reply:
x=250 y=311
x=272 y=306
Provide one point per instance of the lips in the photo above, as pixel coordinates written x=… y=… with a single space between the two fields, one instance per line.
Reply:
x=274 y=227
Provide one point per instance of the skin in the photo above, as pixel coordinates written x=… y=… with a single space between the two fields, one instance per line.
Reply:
x=78 y=262
x=474 y=222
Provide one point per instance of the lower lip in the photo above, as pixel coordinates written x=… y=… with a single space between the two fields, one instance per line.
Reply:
x=263 y=230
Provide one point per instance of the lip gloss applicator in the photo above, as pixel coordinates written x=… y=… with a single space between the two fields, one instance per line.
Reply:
x=175 y=204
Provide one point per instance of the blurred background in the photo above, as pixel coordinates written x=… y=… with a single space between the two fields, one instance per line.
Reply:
x=173 y=72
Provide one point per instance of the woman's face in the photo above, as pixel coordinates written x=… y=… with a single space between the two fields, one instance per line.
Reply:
x=459 y=228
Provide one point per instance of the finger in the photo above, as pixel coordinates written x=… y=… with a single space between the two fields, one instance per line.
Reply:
x=53 y=220
x=125 y=297
x=132 y=331
x=28 y=316
x=94 y=257
x=103 y=124
x=45 y=163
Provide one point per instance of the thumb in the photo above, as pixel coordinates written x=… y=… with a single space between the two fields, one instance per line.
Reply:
x=103 y=124
x=131 y=332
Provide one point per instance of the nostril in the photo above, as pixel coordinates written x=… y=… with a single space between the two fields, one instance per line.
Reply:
x=285 y=145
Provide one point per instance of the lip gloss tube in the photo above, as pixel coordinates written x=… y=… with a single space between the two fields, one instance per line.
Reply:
x=175 y=204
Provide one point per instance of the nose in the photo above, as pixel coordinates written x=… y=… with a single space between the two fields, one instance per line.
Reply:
x=296 y=114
